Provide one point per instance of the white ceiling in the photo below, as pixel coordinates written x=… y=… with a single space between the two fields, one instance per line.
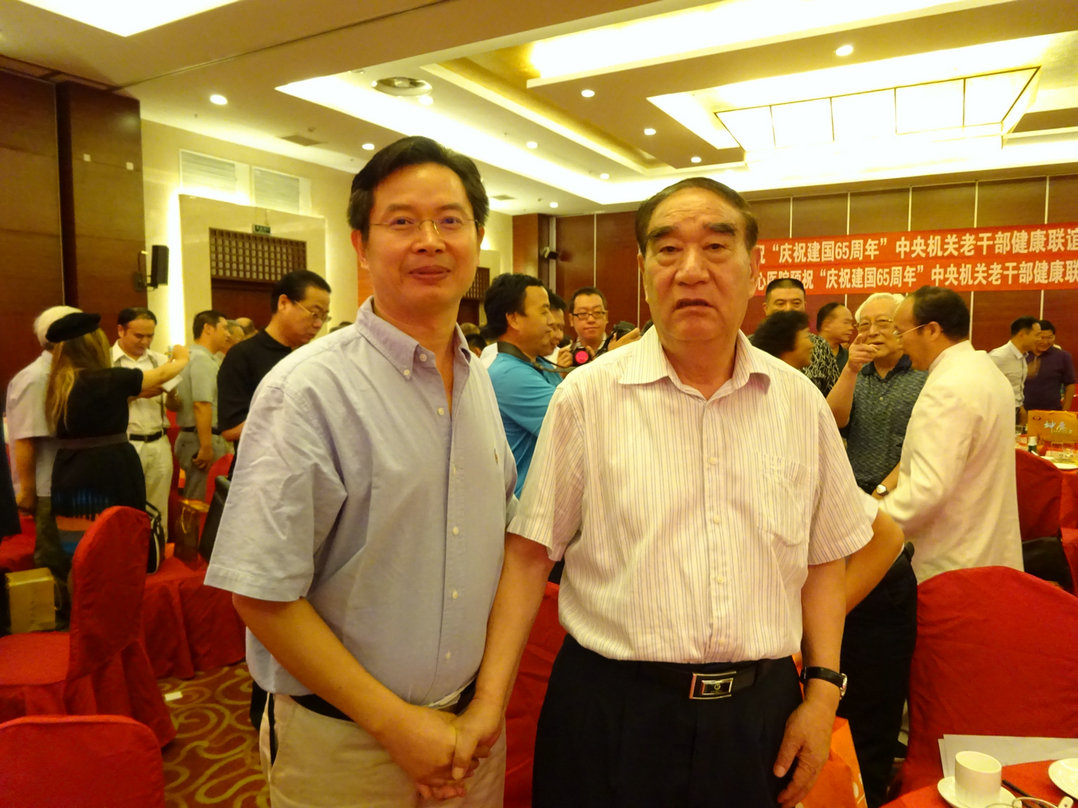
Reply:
x=489 y=99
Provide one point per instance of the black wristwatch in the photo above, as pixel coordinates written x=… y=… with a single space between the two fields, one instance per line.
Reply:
x=828 y=675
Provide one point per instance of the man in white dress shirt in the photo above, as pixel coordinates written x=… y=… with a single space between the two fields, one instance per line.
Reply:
x=147 y=425
x=955 y=496
x=1010 y=358
x=703 y=559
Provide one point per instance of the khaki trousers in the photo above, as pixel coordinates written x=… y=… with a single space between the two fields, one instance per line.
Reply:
x=325 y=762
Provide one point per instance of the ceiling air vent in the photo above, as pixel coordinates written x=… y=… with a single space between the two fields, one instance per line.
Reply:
x=200 y=171
x=503 y=197
x=301 y=140
x=275 y=190
x=401 y=85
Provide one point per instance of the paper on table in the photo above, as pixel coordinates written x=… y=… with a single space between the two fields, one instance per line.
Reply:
x=1007 y=749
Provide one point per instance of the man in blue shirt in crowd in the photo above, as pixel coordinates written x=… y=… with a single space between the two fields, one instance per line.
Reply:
x=518 y=314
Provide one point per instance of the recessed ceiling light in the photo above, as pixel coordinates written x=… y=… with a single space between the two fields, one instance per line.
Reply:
x=649 y=131
x=426 y=100
x=553 y=204
x=218 y=99
x=604 y=176
x=368 y=147
x=401 y=86
x=695 y=159
x=531 y=144
x=844 y=50
x=588 y=93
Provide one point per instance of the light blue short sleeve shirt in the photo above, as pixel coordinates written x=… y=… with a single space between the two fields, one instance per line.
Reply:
x=361 y=491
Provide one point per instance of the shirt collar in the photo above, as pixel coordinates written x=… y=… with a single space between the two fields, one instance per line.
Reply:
x=903 y=364
x=951 y=352
x=400 y=349
x=647 y=362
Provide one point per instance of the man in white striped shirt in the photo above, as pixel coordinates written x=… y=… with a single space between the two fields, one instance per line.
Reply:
x=715 y=506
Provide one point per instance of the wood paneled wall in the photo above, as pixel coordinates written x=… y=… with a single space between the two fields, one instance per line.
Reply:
x=29 y=215
x=71 y=216
x=100 y=160
x=600 y=250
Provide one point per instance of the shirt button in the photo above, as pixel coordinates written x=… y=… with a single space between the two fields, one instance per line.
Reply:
x=717 y=520
x=422 y=357
x=456 y=531
x=406 y=373
x=718 y=579
x=456 y=594
x=448 y=655
x=441 y=410
x=713 y=460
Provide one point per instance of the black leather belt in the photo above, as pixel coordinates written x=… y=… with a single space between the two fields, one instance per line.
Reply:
x=148 y=438
x=317 y=704
x=215 y=430
x=708 y=681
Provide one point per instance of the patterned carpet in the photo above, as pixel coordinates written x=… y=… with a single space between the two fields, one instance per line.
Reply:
x=214 y=758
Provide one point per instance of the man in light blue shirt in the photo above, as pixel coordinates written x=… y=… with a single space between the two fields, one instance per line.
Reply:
x=363 y=535
x=518 y=314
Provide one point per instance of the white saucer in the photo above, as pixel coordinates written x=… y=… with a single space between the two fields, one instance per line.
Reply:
x=1064 y=773
x=1064 y=465
x=946 y=790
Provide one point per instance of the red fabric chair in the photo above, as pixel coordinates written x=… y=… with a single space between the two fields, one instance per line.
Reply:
x=996 y=654
x=17 y=552
x=100 y=666
x=522 y=714
x=189 y=626
x=1040 y=495
x=1070 y=550
x=80 y=761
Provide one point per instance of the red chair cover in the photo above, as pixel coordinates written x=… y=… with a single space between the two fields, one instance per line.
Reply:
x=1070 y=550
x=1068 y=515
x=522 y=714
x=17 y=552
x=219 y=468
x=1040 y=500
x=996 y=654
x=100 y=666
x=189 y=626
x=80 y=760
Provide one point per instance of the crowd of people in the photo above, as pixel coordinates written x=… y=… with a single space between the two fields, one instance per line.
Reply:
x=715 y=503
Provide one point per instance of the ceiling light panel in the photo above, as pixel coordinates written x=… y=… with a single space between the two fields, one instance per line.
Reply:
x=863 y=116
x=925 y=107
x=990 y=98
x=751 y=128
x=802 y=124
x=126 y=17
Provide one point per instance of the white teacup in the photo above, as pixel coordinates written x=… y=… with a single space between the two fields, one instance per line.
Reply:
x=977 y=779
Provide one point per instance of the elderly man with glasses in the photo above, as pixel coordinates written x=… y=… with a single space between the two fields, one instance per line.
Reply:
x=872 y=401
x=955 y=495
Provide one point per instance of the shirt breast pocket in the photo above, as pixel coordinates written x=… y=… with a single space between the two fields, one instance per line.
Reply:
x=787 y=501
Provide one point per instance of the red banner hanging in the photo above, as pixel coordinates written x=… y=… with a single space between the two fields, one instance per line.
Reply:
x=966 y=259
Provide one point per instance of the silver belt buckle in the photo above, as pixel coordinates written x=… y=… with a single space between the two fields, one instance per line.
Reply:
x=712 y=685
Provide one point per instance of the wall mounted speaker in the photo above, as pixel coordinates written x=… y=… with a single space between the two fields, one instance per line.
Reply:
x=159 y=265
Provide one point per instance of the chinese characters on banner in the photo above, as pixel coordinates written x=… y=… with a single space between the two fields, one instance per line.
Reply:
x=969 y=259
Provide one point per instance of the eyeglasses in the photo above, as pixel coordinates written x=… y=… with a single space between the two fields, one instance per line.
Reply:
x=882 y=323
x=317 y=315
x=597 y=314
x=409 y=225
x=899 y=334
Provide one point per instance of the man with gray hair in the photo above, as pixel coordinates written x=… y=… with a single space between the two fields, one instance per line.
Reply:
x=875 y=392
x=872 y=401
x=34 y=447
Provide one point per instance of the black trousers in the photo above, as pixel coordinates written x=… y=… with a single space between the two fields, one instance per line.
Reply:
x=611 y=737
x=877 y=646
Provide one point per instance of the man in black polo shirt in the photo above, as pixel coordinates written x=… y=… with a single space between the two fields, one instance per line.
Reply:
x=300 y=305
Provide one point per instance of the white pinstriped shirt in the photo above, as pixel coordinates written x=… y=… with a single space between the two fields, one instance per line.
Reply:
x=697 y=517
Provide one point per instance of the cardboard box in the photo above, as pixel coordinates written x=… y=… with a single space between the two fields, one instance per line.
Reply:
x=32 y=599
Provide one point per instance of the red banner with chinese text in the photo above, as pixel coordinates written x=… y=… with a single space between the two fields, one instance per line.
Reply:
x=966 y=259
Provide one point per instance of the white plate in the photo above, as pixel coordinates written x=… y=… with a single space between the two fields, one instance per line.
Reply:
x=1064 y=773
x=1064 y=465
x=946 y=790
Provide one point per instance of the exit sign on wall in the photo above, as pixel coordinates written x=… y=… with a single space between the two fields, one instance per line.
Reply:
x=264 y=229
